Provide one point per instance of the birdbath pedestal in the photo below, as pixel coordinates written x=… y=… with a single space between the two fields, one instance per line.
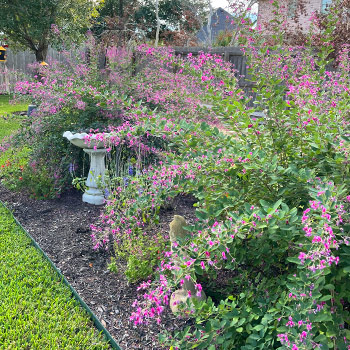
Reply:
x=93 y=194
x=96 y=151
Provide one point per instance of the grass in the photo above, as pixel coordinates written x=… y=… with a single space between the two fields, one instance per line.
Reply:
x=8 y=123
x=37 y=309
x=7 y=108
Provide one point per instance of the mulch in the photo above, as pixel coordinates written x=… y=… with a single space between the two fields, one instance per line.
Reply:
x=62 y=229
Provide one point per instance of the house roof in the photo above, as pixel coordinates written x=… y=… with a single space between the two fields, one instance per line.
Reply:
x=220 y=21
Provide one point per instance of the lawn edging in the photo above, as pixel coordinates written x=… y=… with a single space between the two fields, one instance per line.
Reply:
x=75 y=294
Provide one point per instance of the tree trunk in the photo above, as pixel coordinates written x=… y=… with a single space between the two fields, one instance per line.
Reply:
x=158 y=24
x=41 y=52
x=121 y=8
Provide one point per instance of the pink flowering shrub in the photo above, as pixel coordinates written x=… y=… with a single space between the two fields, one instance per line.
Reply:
x=74 y=95
x=259 y=242
x=68 y=95
x=273 y=209
x=256 y=243
x=176 y=86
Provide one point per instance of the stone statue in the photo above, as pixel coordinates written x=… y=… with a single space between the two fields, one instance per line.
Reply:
x=177 y=232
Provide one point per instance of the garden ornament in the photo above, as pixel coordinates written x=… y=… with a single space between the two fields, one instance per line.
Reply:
x=95 y=149
x=2 y=54
x=31 y=109
x=188 y=289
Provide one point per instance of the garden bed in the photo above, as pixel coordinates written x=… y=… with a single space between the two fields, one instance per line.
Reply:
x=62 y=228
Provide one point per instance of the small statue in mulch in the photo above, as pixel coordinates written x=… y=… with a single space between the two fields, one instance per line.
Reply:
x=188 y=289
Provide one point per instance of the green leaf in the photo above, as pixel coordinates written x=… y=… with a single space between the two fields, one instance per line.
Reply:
x=322 y=317
x=208 y=327
x=201 y=215
x=276 y=205
x=204 y=126
x=234 y=321
x=294 y=260
x=264 y=204
x=199 y=270
x=254 y=336
x=321 y=338
x=346 y=269
x=282 y=329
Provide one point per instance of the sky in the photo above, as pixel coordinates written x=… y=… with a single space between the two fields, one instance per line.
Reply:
x=219 y=3
x=224 y=5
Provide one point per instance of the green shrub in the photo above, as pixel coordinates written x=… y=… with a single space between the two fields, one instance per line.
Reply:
x=141 y=255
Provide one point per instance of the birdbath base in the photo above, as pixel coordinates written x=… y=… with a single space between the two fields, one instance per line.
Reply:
x=94 y=194
x=95 y=199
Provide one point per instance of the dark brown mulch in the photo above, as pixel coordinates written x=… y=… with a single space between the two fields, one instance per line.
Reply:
x=62 y=228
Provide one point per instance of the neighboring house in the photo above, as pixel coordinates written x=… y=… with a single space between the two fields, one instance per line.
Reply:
x=292 y=10
x=221 y=21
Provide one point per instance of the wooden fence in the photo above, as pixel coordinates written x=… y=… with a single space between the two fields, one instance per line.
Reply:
x=229 y=54
x=17 y=67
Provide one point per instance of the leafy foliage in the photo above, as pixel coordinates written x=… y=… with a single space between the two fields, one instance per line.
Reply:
x=28 y=24
x=121 y=22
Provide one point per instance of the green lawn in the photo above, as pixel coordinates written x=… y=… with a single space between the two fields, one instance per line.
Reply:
x=8 y=123
x=37 y=310
x=6 y=107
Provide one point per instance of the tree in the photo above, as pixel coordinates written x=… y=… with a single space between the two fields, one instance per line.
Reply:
x=121 y=21
x=115 y=23
x=27 y=23
x=158 y=24
x=176 y=18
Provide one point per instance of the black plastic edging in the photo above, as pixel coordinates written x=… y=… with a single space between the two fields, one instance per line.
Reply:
x=93 y=317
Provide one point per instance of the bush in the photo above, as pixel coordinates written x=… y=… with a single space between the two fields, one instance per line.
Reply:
x=18 y=173
x=74 y=95
x=273 y=205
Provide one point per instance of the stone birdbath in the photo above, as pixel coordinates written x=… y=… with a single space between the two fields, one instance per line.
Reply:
x=97 y=151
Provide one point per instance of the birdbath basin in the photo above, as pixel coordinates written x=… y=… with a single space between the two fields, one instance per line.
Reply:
x=84 y=140
x=96 y=150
